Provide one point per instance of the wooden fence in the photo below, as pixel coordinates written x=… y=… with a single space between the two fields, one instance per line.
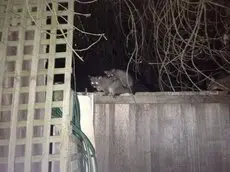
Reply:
x=164 y=132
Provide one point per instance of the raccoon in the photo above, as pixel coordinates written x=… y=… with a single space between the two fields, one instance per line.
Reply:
x=116 y=88
x=94 y=81
x=108 y=86
x=120 y=75
x=224 y=84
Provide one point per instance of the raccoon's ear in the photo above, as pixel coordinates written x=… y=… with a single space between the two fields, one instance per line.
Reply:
x=89 y=76
x=99 y=77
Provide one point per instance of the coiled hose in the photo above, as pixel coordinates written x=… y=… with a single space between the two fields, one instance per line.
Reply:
x=85 y=148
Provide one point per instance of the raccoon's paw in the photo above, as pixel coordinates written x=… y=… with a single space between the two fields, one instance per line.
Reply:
x=105 y=94
x=110 y=94
x=115 y=96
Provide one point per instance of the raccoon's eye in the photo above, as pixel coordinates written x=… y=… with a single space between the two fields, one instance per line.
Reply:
x=96 y=82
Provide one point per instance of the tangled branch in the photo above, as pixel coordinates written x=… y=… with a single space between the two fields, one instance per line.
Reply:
x=187 y=44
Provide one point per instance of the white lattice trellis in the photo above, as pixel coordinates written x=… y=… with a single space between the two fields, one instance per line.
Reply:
x=30 y=140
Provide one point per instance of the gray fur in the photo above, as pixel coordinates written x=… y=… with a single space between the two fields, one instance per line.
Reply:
x=109 y=86
x=120 y=75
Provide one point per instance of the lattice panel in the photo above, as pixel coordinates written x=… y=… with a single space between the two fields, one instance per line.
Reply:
x=32 y=44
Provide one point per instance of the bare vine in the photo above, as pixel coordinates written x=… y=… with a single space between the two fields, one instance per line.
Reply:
x=188 y=38
x=55 y=13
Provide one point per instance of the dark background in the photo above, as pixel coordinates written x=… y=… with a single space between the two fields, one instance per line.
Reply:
x=113 y=19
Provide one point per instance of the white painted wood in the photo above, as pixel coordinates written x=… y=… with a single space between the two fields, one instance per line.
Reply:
x=87 y=116
x=3 y=47
x=67 y=98
x=15 y=104
x=49 y=94
x=32 y=93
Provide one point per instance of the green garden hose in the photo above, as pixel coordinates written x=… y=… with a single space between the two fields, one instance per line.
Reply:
x=85 y=148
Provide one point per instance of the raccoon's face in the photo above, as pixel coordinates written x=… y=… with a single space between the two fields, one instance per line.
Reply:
x=95 y=81
x=109 y=73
